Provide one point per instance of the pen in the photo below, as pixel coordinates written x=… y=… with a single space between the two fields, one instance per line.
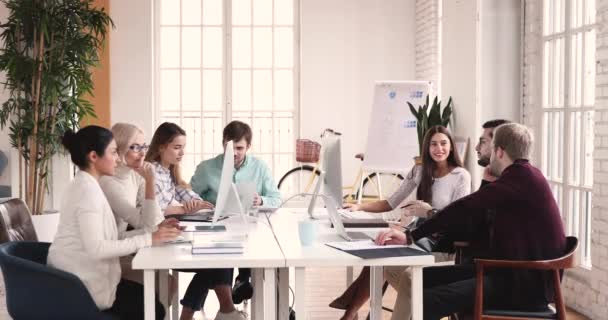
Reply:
x=407 y=205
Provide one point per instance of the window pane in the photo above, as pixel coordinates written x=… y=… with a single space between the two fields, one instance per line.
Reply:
x=241 y=47
x=262 y=126
x=590 y=12
x=574 y=212
x=588 y=141
x=191 y=90
x=171 y=116
x=284 y=135
x=212 y=134
x=169 y=12
x=586 y=230
x=191 y=12
x=559 y=12
x=547 y=74
x=241 y=90
x=262 y=90
x=547 y=17
x=169 y=90
x=213 y=51
x=191 y=124
x=575 y=153
x=283 y=47
x=262 y=47
x=169 y=49
x=191 y=47
x=283 y=90
x=546 y=159
x=589 y=68
x=558 y=73
x=576 y=13
x=212 y=90
x=212 y=12
x=556 y=143
x=262 y=12
x=576 y=61
x=241 y=12
x=283 y=12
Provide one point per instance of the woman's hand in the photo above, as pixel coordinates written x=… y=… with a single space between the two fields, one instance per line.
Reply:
x=165 y=234
x=416 y=208
x=170 y=222
x=352 y=207
x=390 y=236
x=257 y=200
x=146 y=171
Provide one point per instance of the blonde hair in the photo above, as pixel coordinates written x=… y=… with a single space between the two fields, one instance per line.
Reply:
x=516 y=139
x=124 y=134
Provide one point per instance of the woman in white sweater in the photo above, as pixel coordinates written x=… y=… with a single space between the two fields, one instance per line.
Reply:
x=87 y=242
x=130 y=192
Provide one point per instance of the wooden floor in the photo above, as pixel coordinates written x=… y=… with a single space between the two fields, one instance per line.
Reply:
x=323 y=285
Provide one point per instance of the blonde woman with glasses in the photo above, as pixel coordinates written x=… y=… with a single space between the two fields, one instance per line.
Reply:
x=131 y=193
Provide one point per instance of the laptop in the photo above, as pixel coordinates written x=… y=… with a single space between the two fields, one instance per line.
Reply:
x=335 y=219
x=203 y=215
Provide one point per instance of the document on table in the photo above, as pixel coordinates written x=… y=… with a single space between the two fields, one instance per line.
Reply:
x=360 y=245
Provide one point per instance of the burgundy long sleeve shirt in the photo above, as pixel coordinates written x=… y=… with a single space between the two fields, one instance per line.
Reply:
x=526 y=225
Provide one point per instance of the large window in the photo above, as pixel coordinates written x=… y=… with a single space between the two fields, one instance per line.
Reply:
x=567 y=111
x=224 y=60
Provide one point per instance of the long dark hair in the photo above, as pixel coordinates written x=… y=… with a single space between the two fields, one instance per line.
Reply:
x=87 y=139
x=164 y=134
x=425 y=192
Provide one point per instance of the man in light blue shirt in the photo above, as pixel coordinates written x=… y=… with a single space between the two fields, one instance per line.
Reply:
x=206 y=181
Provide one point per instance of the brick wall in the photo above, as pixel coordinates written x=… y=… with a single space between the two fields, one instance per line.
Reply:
x=585 y=290
x=427 y=42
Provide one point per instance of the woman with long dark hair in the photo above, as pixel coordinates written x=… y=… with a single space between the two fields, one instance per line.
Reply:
x=439 y=180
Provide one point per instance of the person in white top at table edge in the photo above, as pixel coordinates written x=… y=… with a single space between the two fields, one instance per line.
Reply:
x=130 y=193
x=440 y=180
x=87 y=242
x=166 y=152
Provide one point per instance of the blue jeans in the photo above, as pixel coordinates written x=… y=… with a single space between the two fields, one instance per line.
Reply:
x=203 y=280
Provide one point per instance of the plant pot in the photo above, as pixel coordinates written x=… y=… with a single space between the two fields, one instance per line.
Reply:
x=418 y=160
x=46 y=225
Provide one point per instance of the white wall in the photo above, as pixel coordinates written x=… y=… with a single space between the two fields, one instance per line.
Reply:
x=131 y=77
x=480 y=66
x=346 y=46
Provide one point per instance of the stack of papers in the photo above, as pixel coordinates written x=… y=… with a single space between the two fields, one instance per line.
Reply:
x=218 y=243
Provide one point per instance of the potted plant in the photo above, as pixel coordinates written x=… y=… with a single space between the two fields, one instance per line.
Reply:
x=47 y=53
x=426 y=118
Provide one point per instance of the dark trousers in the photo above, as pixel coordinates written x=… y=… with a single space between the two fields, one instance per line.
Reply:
x=244 y=275
x=451 y=289
x=203 y=280
x=129 y=302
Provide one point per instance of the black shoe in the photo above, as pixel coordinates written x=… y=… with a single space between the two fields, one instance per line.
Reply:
x=242 y=291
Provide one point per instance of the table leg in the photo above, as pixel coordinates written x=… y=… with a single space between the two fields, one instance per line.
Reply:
x=149 y=300
x=283 y=295
x=270 y=294
x=349 y=276
x=417 y=292
x=175 y=303
x=300 y=303
x=376 y=280
x=257 y=301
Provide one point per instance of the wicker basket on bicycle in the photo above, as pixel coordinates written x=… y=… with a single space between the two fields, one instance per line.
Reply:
x=307 y=150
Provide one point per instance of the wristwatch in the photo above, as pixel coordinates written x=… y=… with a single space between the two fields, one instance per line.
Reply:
x=431 y=213
x=408 y=236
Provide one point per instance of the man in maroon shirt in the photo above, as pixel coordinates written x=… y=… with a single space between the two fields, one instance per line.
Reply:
x=527 y=226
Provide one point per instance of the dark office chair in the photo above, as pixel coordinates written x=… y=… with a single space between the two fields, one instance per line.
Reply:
x=37 y=291
x=556 y=266
x=16 y=222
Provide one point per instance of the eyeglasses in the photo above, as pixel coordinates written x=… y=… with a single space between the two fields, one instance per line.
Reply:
x=139 y=148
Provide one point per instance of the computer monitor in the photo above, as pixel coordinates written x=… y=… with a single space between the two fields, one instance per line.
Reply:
x=331 y=173
x=227 y=190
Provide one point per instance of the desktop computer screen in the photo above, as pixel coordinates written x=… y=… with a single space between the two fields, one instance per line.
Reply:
x=330 y=180
x=226 y=187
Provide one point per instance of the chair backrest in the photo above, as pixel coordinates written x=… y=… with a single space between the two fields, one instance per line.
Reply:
x=37 y=291
x=16 y=222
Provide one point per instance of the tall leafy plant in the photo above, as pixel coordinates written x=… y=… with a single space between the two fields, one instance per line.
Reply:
x=47 y=53
x=426 y=118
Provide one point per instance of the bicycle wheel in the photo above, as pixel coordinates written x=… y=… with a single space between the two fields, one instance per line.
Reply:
x=298 y=180
x=388 y=182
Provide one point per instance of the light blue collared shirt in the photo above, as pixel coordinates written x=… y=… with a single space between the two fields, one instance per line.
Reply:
x=206 y=180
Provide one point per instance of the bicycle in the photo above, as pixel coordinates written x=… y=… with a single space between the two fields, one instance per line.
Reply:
x=303 y=178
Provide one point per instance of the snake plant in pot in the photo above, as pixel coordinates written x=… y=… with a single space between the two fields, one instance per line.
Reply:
x=426 y=118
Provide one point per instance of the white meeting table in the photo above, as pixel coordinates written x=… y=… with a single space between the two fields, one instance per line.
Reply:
x=285 y=225
x=261 y=253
